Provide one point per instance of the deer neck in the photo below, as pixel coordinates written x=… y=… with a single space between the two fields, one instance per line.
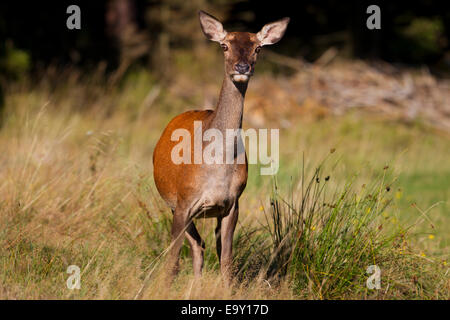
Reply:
x=229 y=110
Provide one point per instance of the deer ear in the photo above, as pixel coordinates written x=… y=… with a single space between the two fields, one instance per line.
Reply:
x=211 y=27
x=272 y=32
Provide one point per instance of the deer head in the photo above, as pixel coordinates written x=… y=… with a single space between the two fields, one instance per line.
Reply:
x=241 y=48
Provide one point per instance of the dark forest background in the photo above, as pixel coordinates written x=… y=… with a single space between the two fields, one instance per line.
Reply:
x=33 y=34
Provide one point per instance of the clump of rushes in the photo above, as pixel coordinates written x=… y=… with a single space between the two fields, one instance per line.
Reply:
x=323 y=241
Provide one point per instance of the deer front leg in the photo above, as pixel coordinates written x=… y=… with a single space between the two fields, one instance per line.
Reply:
x=227 y=231
x=218 y=238
x=197 y=248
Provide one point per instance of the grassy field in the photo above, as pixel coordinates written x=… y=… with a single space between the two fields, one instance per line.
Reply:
x=76 y=188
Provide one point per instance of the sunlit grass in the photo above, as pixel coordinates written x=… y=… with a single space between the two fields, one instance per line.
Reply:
x=76 y=187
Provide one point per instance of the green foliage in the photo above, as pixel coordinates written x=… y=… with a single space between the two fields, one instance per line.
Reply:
x=15 y=62
x=426 y=34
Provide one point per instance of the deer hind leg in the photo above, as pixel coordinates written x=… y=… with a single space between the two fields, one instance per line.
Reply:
x=179 y=226
x=227 y=228
x=197 y=248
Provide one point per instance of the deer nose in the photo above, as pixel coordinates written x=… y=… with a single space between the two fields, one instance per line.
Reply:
x=242 y=67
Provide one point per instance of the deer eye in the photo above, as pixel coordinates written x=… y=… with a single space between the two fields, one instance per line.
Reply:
x=224 y=46
x=258 y=49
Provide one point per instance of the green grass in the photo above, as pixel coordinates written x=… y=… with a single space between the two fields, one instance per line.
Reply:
x=324 y=240
x=416 y=156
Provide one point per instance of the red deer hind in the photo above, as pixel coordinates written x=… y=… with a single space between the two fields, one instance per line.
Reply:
x=211 y=190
